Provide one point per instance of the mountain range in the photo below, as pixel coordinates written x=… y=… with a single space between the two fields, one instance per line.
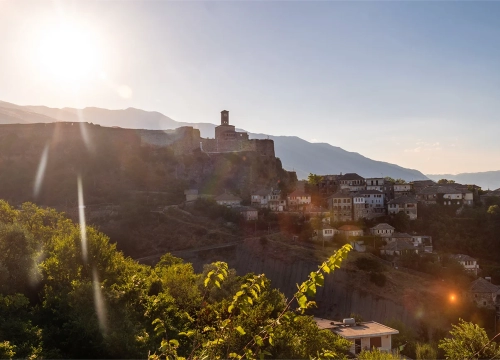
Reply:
x=487 y=179
x=295 y=153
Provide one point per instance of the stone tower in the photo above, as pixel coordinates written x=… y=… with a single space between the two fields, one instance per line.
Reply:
x=224 y=117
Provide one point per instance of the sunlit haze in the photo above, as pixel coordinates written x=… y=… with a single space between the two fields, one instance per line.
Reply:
x=411 y=83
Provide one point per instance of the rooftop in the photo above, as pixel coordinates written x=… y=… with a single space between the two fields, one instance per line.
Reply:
x=227 y=197
x=351 y=176
x=403 y=200
x=398 y=245
x=363 y=329
x=370 y=192
x=462 y=257
x=298 y=193
x=382 y=226
x=349 y=228
x=482 y=285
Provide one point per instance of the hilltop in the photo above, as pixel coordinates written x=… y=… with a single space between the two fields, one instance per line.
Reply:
x=296 y=154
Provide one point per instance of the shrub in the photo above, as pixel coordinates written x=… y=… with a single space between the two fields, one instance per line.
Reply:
x=368 y=264
x=378 y=278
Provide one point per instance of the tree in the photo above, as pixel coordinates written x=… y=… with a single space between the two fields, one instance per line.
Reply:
x=314 y=179
x=445 y=181
x=425 y=351
x=469 y=341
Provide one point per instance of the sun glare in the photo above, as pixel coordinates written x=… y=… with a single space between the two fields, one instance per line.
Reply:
x=68 y=54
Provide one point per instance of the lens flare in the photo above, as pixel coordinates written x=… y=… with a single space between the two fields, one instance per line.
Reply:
x=100 y=307
x=84 y=131
x=81 y=217
x=40 y=173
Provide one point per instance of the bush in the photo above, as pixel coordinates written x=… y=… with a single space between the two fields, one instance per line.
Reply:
x=369 y=264
x=378 y=278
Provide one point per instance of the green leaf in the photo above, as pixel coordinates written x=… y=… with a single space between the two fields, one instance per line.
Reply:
x=258 y=340
x=217 y=283
x=174 y=342
x=301 y=300
x=271 y=341
x=240 y=330
x=230 y=308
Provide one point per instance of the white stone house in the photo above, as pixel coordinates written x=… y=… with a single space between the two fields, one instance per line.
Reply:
x=350 y=230
x=375 y=184
x=402 y=190
x=382 y=229
x=298 y=198
x=469 y=263
x=228 y=200
x=405 y=204
x=363 y=336
x=248 y=213
x=351 y=181
x=259 y=198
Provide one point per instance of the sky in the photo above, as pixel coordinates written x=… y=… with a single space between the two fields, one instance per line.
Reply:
x=413 y=83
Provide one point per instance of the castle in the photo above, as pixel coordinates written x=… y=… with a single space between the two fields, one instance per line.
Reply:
x=182 y=140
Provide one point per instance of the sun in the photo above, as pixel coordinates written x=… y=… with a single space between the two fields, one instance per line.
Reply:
x=68 y=53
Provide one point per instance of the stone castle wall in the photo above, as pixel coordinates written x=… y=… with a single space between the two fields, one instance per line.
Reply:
x=263 y=147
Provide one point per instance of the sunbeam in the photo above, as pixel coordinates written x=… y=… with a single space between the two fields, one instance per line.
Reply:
x=100 y=307
x=41 y=171
x=81 y=216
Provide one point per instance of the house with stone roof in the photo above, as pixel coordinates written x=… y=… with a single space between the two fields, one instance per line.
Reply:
x=469 y=263
x=405 y=204
x=402 y=190
x=399 y=246
x=228 y=200
x=352 y=182
x=350 y=230
x=382 y=229
x=374 y=202
x=259 y=198
x=445 y=195
x=341 y=205
x=484 y=293
x=298 y=199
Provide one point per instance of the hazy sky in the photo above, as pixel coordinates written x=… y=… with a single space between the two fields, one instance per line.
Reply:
x=413 y=83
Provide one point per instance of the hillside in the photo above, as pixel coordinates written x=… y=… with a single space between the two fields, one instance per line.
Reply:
x=487 y=180
x=296 y=153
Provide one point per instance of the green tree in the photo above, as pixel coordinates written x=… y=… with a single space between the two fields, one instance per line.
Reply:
x=376 y=354
x=469 y=341
x=314 y=179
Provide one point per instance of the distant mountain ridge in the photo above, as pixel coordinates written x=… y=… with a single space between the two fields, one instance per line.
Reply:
x=295 y=153
x=487 y=179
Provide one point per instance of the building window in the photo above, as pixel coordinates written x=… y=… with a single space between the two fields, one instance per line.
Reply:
x=375 y=342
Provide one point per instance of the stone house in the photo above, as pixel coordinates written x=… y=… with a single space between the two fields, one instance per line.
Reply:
x=298 y=199
x=327 y=232
x=375 y=184
x=398 y=247
x=359 y=208
x=350 y=231
x=374 y=202
x=423 y=241
x=228 y=200
x=484 y=294
x=469 y=263
x=402 y=190
x=248 y=213
x=259 y=198
x=446 y=195
x=340 y=204
x=363 y=336
x=405 y=204
x=275 y=202
x=382 y=229
x=352 y=182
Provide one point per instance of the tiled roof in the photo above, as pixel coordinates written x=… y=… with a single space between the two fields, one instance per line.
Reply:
x=349 y=228
x=245 y=209
x=382 y=226
x=298 y=193
x=483 y=286
x=351 y=176
x=370 y=192
x=403 y=200
x=442 y=190
x=261 y=192
x=398 y=245
x=400 y=235
x=227 y=197
x=340 y=195
x=462 y=257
